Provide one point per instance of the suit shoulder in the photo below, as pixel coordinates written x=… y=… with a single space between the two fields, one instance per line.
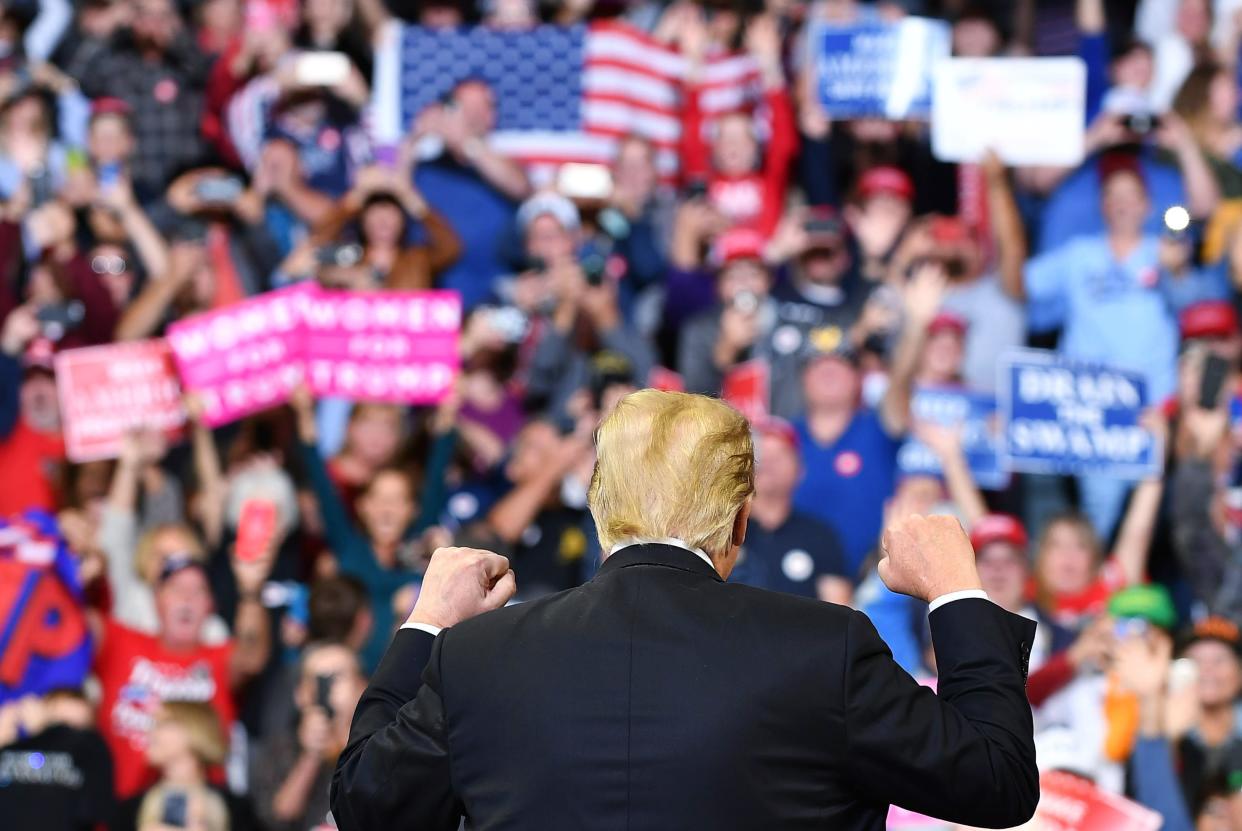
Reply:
x=506 y=618
x=781 y=606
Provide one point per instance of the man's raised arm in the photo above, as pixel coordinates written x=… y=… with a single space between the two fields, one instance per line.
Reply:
x=398 y=733
x=966 y=755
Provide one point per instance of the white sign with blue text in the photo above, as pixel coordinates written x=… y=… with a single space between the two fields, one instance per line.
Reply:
x=1064 y=416
x=1029 y=110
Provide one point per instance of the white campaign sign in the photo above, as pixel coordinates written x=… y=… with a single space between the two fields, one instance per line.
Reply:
x=1031 y=111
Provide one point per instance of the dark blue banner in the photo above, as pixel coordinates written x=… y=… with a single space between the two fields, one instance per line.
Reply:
x=1063 y=416
x=974 y=413
x=878 y=69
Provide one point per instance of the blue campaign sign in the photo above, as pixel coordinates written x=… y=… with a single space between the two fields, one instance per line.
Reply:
x=877 y=68
x=1063 y=416
x=975 y=414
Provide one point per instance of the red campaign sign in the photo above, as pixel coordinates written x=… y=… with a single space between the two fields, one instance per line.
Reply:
x=382 y=346
x=746 y=387
x=1069 y=803
x=105 y=391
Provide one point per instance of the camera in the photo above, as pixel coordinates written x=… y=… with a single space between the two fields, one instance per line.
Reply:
x=339 y=255
x=746 y=302
x=218 y=190
x=509 y=322
x=1141 y=123
x=57 y=319
x=594 y=266
x=695 y=189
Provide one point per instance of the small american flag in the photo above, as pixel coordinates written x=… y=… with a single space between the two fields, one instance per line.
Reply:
x=564 y=94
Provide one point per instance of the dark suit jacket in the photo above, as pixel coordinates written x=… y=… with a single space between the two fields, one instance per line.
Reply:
x=656 y=696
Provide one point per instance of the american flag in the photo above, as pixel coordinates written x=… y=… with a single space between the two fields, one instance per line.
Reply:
x=564 y=94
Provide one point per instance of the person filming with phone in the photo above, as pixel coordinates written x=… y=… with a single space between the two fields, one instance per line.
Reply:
x=579 y=315
x=290 y=782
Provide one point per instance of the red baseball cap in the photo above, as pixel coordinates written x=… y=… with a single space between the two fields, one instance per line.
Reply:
x=110 y=106
x=946 y=321
x=888 y=180
x=1119 y=161
x=1209 y=319
x=998 y=528
x=778 y=428
x=738 y=244
x=39 y=355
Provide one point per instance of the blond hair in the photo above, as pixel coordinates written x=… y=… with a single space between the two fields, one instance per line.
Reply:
x=208 y=811
x=670 y=464
x=202 y=724
x=145 y=564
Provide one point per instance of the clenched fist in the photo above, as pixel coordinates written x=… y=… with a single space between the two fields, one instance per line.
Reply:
x=927 y=557
x=461 y=583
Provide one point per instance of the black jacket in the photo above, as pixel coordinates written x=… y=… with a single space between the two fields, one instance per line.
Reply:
x=656 y=696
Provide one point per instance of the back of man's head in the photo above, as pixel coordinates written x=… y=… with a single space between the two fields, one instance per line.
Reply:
x=334 y=606
x=671 y=464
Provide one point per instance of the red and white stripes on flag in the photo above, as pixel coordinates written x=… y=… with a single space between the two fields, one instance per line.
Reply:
x=630 y=84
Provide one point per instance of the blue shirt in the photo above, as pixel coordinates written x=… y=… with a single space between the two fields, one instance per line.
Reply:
x=1115 y=313
x=1197 y=285
x=789 y=558
x=479 y=214
x=330 y=153
x=898 y=618
x=1073 y=210
x=845 y=484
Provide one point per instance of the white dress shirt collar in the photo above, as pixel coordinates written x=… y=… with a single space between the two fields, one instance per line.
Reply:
x=673 y=541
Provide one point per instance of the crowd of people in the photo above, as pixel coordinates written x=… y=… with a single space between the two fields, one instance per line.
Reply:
x=162 y=159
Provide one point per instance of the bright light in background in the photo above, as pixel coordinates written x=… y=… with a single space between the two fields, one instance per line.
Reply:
x=1177 y=218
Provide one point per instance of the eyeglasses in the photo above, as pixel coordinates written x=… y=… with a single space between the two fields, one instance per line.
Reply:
x=113 y=264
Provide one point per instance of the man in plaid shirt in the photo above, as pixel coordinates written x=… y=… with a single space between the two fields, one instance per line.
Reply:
x=158 y=70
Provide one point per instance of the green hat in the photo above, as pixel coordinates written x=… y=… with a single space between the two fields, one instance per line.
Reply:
x=1151 y=603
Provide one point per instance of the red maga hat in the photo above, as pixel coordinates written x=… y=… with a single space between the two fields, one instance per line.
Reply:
x=1209 y=319
x=738 y=244
x=885 y=179
x=998 y=528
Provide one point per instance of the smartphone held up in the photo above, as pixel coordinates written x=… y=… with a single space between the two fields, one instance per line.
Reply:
x=256 y=529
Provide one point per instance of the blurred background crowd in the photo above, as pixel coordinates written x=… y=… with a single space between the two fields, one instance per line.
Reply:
x=162 y=158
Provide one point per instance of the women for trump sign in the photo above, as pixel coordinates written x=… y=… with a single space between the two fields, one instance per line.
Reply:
x=365 y=346
x=243 y=358
x=382 y=346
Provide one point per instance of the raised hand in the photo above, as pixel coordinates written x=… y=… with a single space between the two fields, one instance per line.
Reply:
x=924 y=293
x=462 y=583
x=927 y=557
x=1142 y=667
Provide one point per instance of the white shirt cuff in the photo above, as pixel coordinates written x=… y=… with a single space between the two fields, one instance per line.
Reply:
x=979 y=594
x=423 y=627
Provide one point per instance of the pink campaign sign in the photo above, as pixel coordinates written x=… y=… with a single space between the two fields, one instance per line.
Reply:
x=382 y=346
x=244 y=358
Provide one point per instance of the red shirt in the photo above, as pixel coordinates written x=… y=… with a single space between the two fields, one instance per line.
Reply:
x=32 y=456
x=753 y=200
x=136 y=673
x=1070 y=610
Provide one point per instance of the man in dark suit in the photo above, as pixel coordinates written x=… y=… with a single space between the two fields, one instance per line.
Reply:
x=657 y=696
